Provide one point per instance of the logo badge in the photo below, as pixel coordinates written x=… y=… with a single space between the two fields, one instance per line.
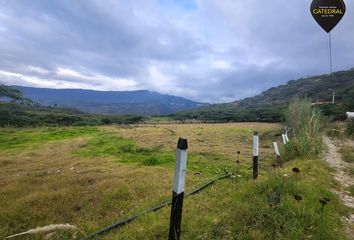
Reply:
x=327 y=13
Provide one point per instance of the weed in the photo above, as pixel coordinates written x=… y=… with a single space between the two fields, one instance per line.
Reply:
x=306 y=126
x=350 y=189
x=347 y=152
x=275 y=210
x=104 y=177
x=49 y=230
x=336 y=130
x=151 y=161
x=350 y=128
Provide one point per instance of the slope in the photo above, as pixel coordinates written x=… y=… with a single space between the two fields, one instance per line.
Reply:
x=268 y=105
x=140 y=102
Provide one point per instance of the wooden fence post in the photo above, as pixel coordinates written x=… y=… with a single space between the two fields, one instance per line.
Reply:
x=178 y=190
x=277 y=154
x=255 y=154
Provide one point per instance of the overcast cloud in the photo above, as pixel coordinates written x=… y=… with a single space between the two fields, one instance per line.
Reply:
x=204 y=50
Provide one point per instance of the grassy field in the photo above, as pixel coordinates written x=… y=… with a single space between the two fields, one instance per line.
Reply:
x=92 y=177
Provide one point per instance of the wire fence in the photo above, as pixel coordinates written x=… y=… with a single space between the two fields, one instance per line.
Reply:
x=153 y=209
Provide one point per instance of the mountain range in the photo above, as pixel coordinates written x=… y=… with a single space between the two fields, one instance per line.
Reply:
x=142 y=102
x=267 y=106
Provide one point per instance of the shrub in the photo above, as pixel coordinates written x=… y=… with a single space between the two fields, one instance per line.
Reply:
x=350 y=129
x=306 y=126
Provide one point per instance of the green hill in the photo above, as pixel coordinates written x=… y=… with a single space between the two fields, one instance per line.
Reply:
x=13 y=114
x=17 y=111
x=10 y=93
x=268 y=106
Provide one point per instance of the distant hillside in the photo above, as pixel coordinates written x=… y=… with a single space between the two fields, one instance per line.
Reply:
x=18 y=111
x=9 y=93
x=268 y=105
x=24 y=115
x=110 y=102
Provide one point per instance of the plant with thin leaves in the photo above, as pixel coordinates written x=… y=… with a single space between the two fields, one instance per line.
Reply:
x=306 y=126
x=49 y=230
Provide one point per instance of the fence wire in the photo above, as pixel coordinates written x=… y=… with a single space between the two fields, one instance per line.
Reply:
x=155 y=208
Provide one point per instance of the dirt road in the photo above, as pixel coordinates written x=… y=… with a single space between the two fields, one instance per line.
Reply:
x=334 y=159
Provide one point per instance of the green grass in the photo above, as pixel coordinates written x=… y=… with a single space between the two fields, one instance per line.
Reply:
x=347 y=153
x=111 y=145
x=17 y=139
x=256 y=215
x=106 y=176
x=14 y=114
x=351 y=190
x=240 y=210
x=350 y=129
x=124 y=150
x=306 y=126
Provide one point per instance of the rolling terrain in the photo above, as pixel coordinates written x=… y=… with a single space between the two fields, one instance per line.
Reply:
x=91 y=177
x=18 y=111
x=268 y=105
x=143 y=102
x=265 y=107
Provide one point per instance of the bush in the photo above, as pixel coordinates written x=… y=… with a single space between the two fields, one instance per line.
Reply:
x=306 y=126
x=336 y=130
x=350 y=129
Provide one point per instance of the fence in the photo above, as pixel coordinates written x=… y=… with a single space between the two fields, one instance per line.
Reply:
x=179 y=183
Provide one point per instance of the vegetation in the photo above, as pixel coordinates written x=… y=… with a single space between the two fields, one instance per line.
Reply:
x=347 y=152
x=141 y=102
x=350 y=129
x=18 y=111
x=91 y=177
x=24 y=115
x=269 y=105
x=232 y=112
x=265 y=107
x=12 y=93
x=292 y=209
x=306 y=125
x=339 y=132
x=13 y=140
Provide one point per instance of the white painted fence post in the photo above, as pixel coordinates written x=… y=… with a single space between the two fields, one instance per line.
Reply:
x=255 y=154
x=277 y=154
x=178 y=190
x=286 y=137
x=283 y=137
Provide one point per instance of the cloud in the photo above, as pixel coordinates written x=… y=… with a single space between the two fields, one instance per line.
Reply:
x=205 y=50
x=66 y=78
x=37 y=70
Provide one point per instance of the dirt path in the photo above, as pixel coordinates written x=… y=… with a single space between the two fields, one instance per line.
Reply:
x=334 y=159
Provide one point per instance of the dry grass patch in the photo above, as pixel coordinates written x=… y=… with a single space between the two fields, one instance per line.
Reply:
x=224 y=139
x=92 y=180
x=52 y=185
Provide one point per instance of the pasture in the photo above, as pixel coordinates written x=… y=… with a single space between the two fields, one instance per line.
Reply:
x=92 y=177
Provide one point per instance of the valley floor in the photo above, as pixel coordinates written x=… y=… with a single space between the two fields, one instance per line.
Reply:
x=92 y=177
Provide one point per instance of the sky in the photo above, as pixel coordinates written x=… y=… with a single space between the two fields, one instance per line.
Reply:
x=204 y=50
